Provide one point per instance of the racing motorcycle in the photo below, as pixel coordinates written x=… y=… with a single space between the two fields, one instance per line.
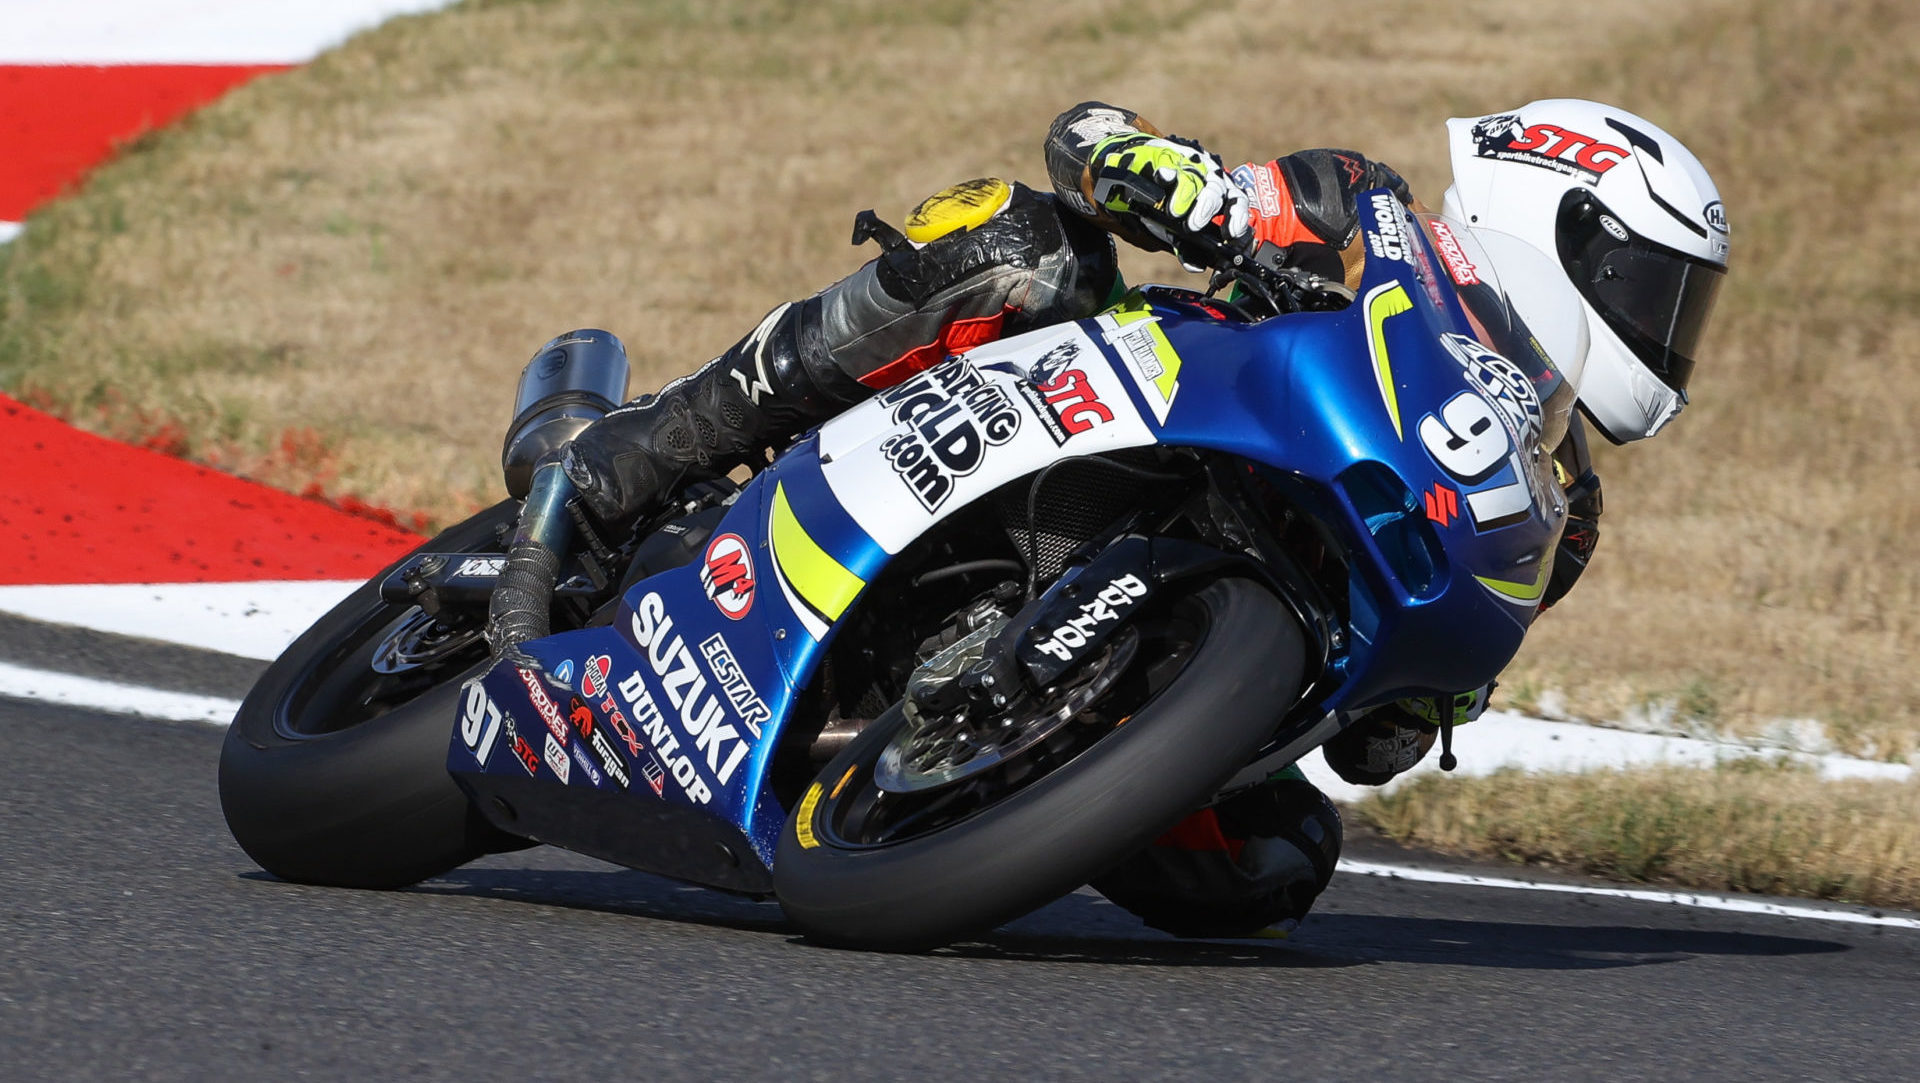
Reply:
x=973 y=642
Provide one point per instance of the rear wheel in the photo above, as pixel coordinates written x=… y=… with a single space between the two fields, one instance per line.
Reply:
x=908 y=840
x=334 y=770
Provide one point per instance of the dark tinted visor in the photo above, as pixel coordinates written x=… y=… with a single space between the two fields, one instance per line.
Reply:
x=1656 y=299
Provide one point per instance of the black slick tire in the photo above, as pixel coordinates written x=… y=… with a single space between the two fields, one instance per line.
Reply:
x=1050 y=837
x=369 y=805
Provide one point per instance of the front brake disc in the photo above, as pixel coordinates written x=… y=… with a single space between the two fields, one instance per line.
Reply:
x=937 y=749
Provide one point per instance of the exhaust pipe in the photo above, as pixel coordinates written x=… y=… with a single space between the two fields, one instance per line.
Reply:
x=571 y=382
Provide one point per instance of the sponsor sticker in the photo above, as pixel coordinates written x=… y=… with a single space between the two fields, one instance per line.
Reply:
x=609 y=757
x=655 y=775
x=587 y=766
x=524 y=752
x=952 y=416
x=1106 y=607
x=593 y=676
x=1257 y=181
x=1502 y=382
x=746 y=702
x=606 y=757
x=1459 y=267
x=581 y=716
x=1151 y=361
x=1065 y=402
x=727 y=575
x=698 y=713
x=1389 y=239
x=1502 y=138
x=549 y=711
x=557 y=761
x=563 y=673
x=480 y=568
x=622 y=728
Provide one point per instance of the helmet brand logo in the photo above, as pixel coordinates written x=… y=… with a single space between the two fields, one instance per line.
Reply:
x=1716 y=216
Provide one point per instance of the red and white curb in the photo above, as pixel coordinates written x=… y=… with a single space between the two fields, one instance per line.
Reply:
x=77 y=79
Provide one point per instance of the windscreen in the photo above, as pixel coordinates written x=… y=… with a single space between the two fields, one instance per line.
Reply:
x=1482 y=267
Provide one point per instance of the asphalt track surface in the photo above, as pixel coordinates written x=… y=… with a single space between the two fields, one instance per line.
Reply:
x=139 y=942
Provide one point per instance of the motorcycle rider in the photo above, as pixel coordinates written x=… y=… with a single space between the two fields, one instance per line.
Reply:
x=1621 y=207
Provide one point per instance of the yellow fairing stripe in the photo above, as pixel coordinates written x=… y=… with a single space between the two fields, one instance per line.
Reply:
x=1520 y=592
x=1385 y=301
x=821 y=581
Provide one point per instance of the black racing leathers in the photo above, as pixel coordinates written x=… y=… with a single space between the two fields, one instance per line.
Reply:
x=1024 y=260
x=1025 y=266
x=985 y=259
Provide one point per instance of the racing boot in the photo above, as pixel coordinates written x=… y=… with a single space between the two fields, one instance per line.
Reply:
x=1252 y=864
x=776 y=382
x=1384 y=742
x=977 y=261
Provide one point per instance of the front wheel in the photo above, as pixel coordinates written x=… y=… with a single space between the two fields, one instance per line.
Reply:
x=1203 y=683
x=334 y=771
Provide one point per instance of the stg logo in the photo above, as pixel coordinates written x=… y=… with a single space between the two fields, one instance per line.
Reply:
x=728 y=575
x=1546 y=145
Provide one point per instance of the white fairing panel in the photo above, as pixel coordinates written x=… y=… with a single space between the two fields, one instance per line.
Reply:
x=913 y=454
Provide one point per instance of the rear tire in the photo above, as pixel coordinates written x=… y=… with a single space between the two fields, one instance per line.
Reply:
x=1049 y=836
x=335 y=774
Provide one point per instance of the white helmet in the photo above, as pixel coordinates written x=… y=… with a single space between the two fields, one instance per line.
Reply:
x=1633 y=219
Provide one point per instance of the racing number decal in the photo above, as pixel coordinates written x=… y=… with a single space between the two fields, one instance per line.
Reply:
x=1468 y=441
x=1465 y=438
x=479 y=723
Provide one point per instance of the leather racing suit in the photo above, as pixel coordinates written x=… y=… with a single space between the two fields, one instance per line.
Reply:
x=985 y=259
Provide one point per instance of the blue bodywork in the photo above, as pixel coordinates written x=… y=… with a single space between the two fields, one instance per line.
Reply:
x=1369 y=418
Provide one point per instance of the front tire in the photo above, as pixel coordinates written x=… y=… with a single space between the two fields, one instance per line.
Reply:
x=848 y=883
x=334 y=772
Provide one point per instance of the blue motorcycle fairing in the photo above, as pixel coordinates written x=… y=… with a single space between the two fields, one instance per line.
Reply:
x=1450 y=534
x=1386 y=420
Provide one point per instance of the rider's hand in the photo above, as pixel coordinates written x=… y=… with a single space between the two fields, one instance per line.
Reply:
x=1186 y=186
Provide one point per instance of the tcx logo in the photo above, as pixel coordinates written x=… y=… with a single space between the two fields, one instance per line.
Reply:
x=1108 y=606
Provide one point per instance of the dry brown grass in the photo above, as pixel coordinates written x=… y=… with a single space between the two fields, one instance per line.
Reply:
x=1746 y=826
x=335 y=273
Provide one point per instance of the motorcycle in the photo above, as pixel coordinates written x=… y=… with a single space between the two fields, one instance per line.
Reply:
x=963 y=648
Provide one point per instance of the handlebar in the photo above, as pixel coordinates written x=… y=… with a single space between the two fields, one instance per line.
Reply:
x=1258 y=267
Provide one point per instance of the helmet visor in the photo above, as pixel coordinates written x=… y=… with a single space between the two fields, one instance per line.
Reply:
x=1656 y=299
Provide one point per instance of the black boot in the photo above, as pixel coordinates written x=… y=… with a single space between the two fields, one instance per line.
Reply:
x=776 y=382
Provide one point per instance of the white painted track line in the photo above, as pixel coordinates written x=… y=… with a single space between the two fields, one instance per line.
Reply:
x=1697 y=900
x=186 y=31
x=251 y=620
x=19 y=682
x=1500 y=739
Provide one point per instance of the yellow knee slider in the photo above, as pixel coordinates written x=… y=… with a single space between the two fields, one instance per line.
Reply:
x=960 y=207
